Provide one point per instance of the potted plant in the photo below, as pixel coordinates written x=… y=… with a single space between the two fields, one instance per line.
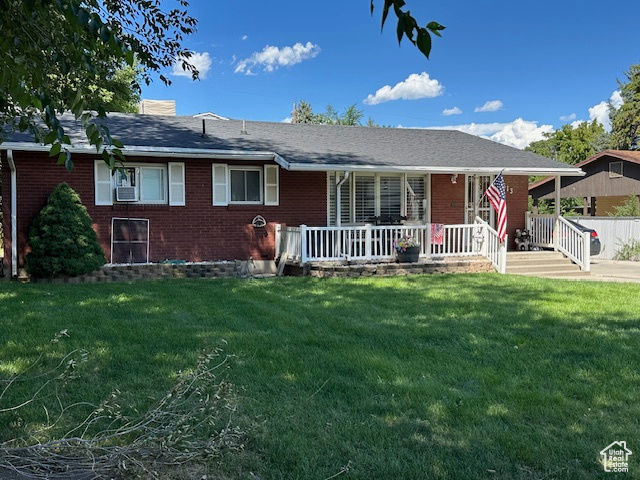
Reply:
x=407 y=249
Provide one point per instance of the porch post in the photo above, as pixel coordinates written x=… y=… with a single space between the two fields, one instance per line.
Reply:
x=586 y=245
x=367 y=241
x=503 y=255
x=303 y=247
x=556 y=225
x=278 y=239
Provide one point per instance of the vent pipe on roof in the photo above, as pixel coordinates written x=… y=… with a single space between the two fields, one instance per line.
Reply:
x=244 y=129
x=204 y=128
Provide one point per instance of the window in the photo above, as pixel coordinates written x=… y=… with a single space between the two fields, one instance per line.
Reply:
x=245 y=185
x=365 y=196
x=416 y=196
x=615 y=170
x=141 y=183
x=390 y=196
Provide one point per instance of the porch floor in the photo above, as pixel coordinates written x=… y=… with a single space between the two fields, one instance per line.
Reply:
x=354 y=269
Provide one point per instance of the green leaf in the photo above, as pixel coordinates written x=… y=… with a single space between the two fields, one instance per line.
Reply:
x=49 y=137
x=400 y=29
x=435 y=28
x=55 y=150
x=424 y=42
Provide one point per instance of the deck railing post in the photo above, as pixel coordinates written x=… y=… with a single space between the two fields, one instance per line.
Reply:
x=586 y=251
x=503 y=255
x=367 y=241
x=278 y=239
x=556 y=233
x=303 y=246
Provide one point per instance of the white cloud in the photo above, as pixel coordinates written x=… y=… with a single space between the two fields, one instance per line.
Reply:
x=568 y=118
x=244 y=37
x=451 y=111
x=202 y=61
x=272 y=58
x=414 y=87
x=600 y=112
x=287 y=120
x=518 y=133
x=490 y=106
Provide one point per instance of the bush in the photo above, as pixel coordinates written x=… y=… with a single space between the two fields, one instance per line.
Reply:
x=61 y=238
x=629 y=251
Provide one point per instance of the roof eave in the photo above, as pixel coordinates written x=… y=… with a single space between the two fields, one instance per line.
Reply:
x=573 y=172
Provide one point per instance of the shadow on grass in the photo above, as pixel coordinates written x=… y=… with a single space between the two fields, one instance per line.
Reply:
x=432 y=376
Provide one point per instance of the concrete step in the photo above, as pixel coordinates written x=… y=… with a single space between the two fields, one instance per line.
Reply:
x=545 y=264
x=534 y=269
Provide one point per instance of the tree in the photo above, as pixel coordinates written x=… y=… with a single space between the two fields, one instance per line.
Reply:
x=630 y=207
x=52 y=52
x=625 y=121
x=407 y=25
x=61 y=238
x=303 y=113
x=571 y=145
x=118 y=92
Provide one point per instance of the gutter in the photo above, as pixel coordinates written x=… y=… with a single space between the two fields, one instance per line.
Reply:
x=14 y=214
x=306 y=167
x=339 y=198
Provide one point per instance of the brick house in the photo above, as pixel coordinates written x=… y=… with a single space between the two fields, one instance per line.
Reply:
x=194 y=188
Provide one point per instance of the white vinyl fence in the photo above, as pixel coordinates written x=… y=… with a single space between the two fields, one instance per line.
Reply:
x=612 y=231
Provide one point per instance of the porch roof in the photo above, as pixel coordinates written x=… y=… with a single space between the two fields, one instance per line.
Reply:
x=311 y=147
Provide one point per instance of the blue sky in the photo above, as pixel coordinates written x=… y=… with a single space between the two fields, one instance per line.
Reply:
x=505 y=70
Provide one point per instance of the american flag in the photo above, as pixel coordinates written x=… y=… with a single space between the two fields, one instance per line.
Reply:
x=497 y=195
x=437 y=233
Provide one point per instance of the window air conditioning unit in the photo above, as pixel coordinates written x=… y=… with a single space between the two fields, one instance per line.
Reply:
x=126 y=194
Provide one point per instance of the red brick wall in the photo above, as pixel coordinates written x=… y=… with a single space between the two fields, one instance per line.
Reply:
x=447 y=199
x=200 y=231
x=195 y=232
x=517 y=204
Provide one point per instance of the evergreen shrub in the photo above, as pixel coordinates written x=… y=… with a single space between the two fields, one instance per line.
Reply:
x=61 y=238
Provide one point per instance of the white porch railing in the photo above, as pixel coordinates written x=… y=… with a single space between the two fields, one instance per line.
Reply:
x=574 y=244
x=541 y=228
x=368 y=242
x=549 y=231
x=492 y=248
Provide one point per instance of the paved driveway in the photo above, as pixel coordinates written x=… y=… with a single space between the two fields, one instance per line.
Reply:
x=614 y=271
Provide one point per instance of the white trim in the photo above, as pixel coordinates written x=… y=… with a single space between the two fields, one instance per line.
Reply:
x=437 y=170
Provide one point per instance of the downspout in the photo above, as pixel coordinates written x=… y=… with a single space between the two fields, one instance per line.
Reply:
x=339 y=199
x=14 y=214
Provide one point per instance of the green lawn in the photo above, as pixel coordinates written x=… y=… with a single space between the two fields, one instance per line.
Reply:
x=453 y=376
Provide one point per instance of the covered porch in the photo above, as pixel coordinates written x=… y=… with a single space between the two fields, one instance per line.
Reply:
x=373 y=244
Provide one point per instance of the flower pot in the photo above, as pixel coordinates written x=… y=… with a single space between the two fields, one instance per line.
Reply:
x=410 y=255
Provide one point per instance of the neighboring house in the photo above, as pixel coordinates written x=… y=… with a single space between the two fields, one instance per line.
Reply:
x=193 y=186
x=611 y=176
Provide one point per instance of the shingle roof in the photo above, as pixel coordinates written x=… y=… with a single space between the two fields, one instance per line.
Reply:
x=320 y=147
